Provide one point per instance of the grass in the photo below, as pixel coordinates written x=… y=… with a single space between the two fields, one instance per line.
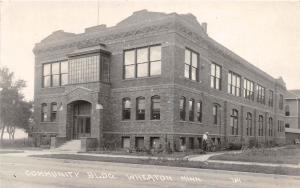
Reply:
x=179 y=163
x=7 y=151
x=286 y=155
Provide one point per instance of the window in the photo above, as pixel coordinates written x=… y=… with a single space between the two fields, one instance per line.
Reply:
x=260 y=125
x=140 y=108
x=64 y=70
x=44 y=111
x=155 y=143
x=215 y=76
x=280 y=126
x=142 y=62
x=84 y=69
x=53 y=112
x=125 y=142
x=155 y=107
x=47 y=75
x=270 y=126
x=55 y=74
x=260 y=94
x=280 y=102
x=191 y=65
x=126 y=108
x=216 y=114
x=234 y=122
x=249 y=124
x=234 y=84
x=287 y=110
x=271 y=98
x=199 y=111
x=287 y=125
x=248 y=89
x=191 y=109
x=182 y=108
x=139 y=143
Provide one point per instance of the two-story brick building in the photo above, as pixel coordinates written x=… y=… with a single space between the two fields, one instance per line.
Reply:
x=152 y=80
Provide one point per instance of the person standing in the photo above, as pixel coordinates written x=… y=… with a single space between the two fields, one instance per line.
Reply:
x=204 y=138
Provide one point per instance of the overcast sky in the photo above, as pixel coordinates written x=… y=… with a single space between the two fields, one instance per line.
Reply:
x=267 y=34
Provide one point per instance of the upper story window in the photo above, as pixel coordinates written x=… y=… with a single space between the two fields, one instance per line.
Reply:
x=155 y=107
x=281 y=102
x=260 y=125
x=182 y=104
x=261 y=94
x=234 y=122
x=53 y=112
x=199 y=111
x=44 y=112
x=234 y=84
x=287 y=110
x=249 y=124
x=248 y=89
x=191 y=65
x=142 y=62
x=55 y=74
x=126 y=105
x=271 y=98
x=191 y=109
x=140 y=108
x=215 y=76
x=84 y=69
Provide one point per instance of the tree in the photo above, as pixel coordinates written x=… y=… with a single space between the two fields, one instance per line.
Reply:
x=14 y=110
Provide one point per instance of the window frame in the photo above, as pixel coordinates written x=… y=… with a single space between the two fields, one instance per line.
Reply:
x=53 y=114
x=248 y=88
x=182 y=110
x=271 y=98
x=126 y=110
x=234 y=122
x=199 y=110
x=143 y=113
x=233 y=87
x=214 y=78
x=249 y=124
x=192 y=109
x=51 y=74
x=260 y=125
x=44 y=112
x=152 y=115
x=261 y=94
x=135 y=64
x=190 y=65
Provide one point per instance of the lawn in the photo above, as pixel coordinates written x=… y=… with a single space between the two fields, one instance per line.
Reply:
x=286 y=155
x=178 y=163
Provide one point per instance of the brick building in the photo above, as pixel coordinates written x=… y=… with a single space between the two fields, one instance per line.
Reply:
x=153 y=80
x=292 y=116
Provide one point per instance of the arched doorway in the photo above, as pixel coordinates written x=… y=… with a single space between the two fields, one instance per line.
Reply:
x=80 y=119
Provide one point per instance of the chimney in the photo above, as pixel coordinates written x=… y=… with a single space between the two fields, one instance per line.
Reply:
x=204 y=26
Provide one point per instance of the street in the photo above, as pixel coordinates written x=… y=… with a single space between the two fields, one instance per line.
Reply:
x=23 y=172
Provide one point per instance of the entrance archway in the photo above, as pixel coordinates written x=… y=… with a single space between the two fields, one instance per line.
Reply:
x=80 y=119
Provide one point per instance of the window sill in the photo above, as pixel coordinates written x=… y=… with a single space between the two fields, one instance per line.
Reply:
x=47 y=122
x=195 y=81
x=141 y=78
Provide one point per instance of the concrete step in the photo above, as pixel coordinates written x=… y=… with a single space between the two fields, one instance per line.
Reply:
x=72 y=145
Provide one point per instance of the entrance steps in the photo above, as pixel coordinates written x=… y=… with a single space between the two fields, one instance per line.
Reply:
x=72 y=145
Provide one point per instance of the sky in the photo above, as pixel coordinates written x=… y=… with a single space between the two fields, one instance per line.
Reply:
x=265 y=33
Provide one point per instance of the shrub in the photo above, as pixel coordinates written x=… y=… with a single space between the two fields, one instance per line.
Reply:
x=234 y=146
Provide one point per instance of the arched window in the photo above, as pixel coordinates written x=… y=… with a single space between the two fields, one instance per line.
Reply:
x=155 y=107
x=126 y=105
x=182 y=108
x=191 y=109
x=260 y=125
x=53 y=111
x=270 y=126
x=44 y=111
x=140 y=108
x=234 y=122
x=216 y=114
x=249 y=124
x=199 y=111
x=287 y=110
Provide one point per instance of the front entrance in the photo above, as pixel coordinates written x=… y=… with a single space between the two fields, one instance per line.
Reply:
x=81 y=127
x=81 y=120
